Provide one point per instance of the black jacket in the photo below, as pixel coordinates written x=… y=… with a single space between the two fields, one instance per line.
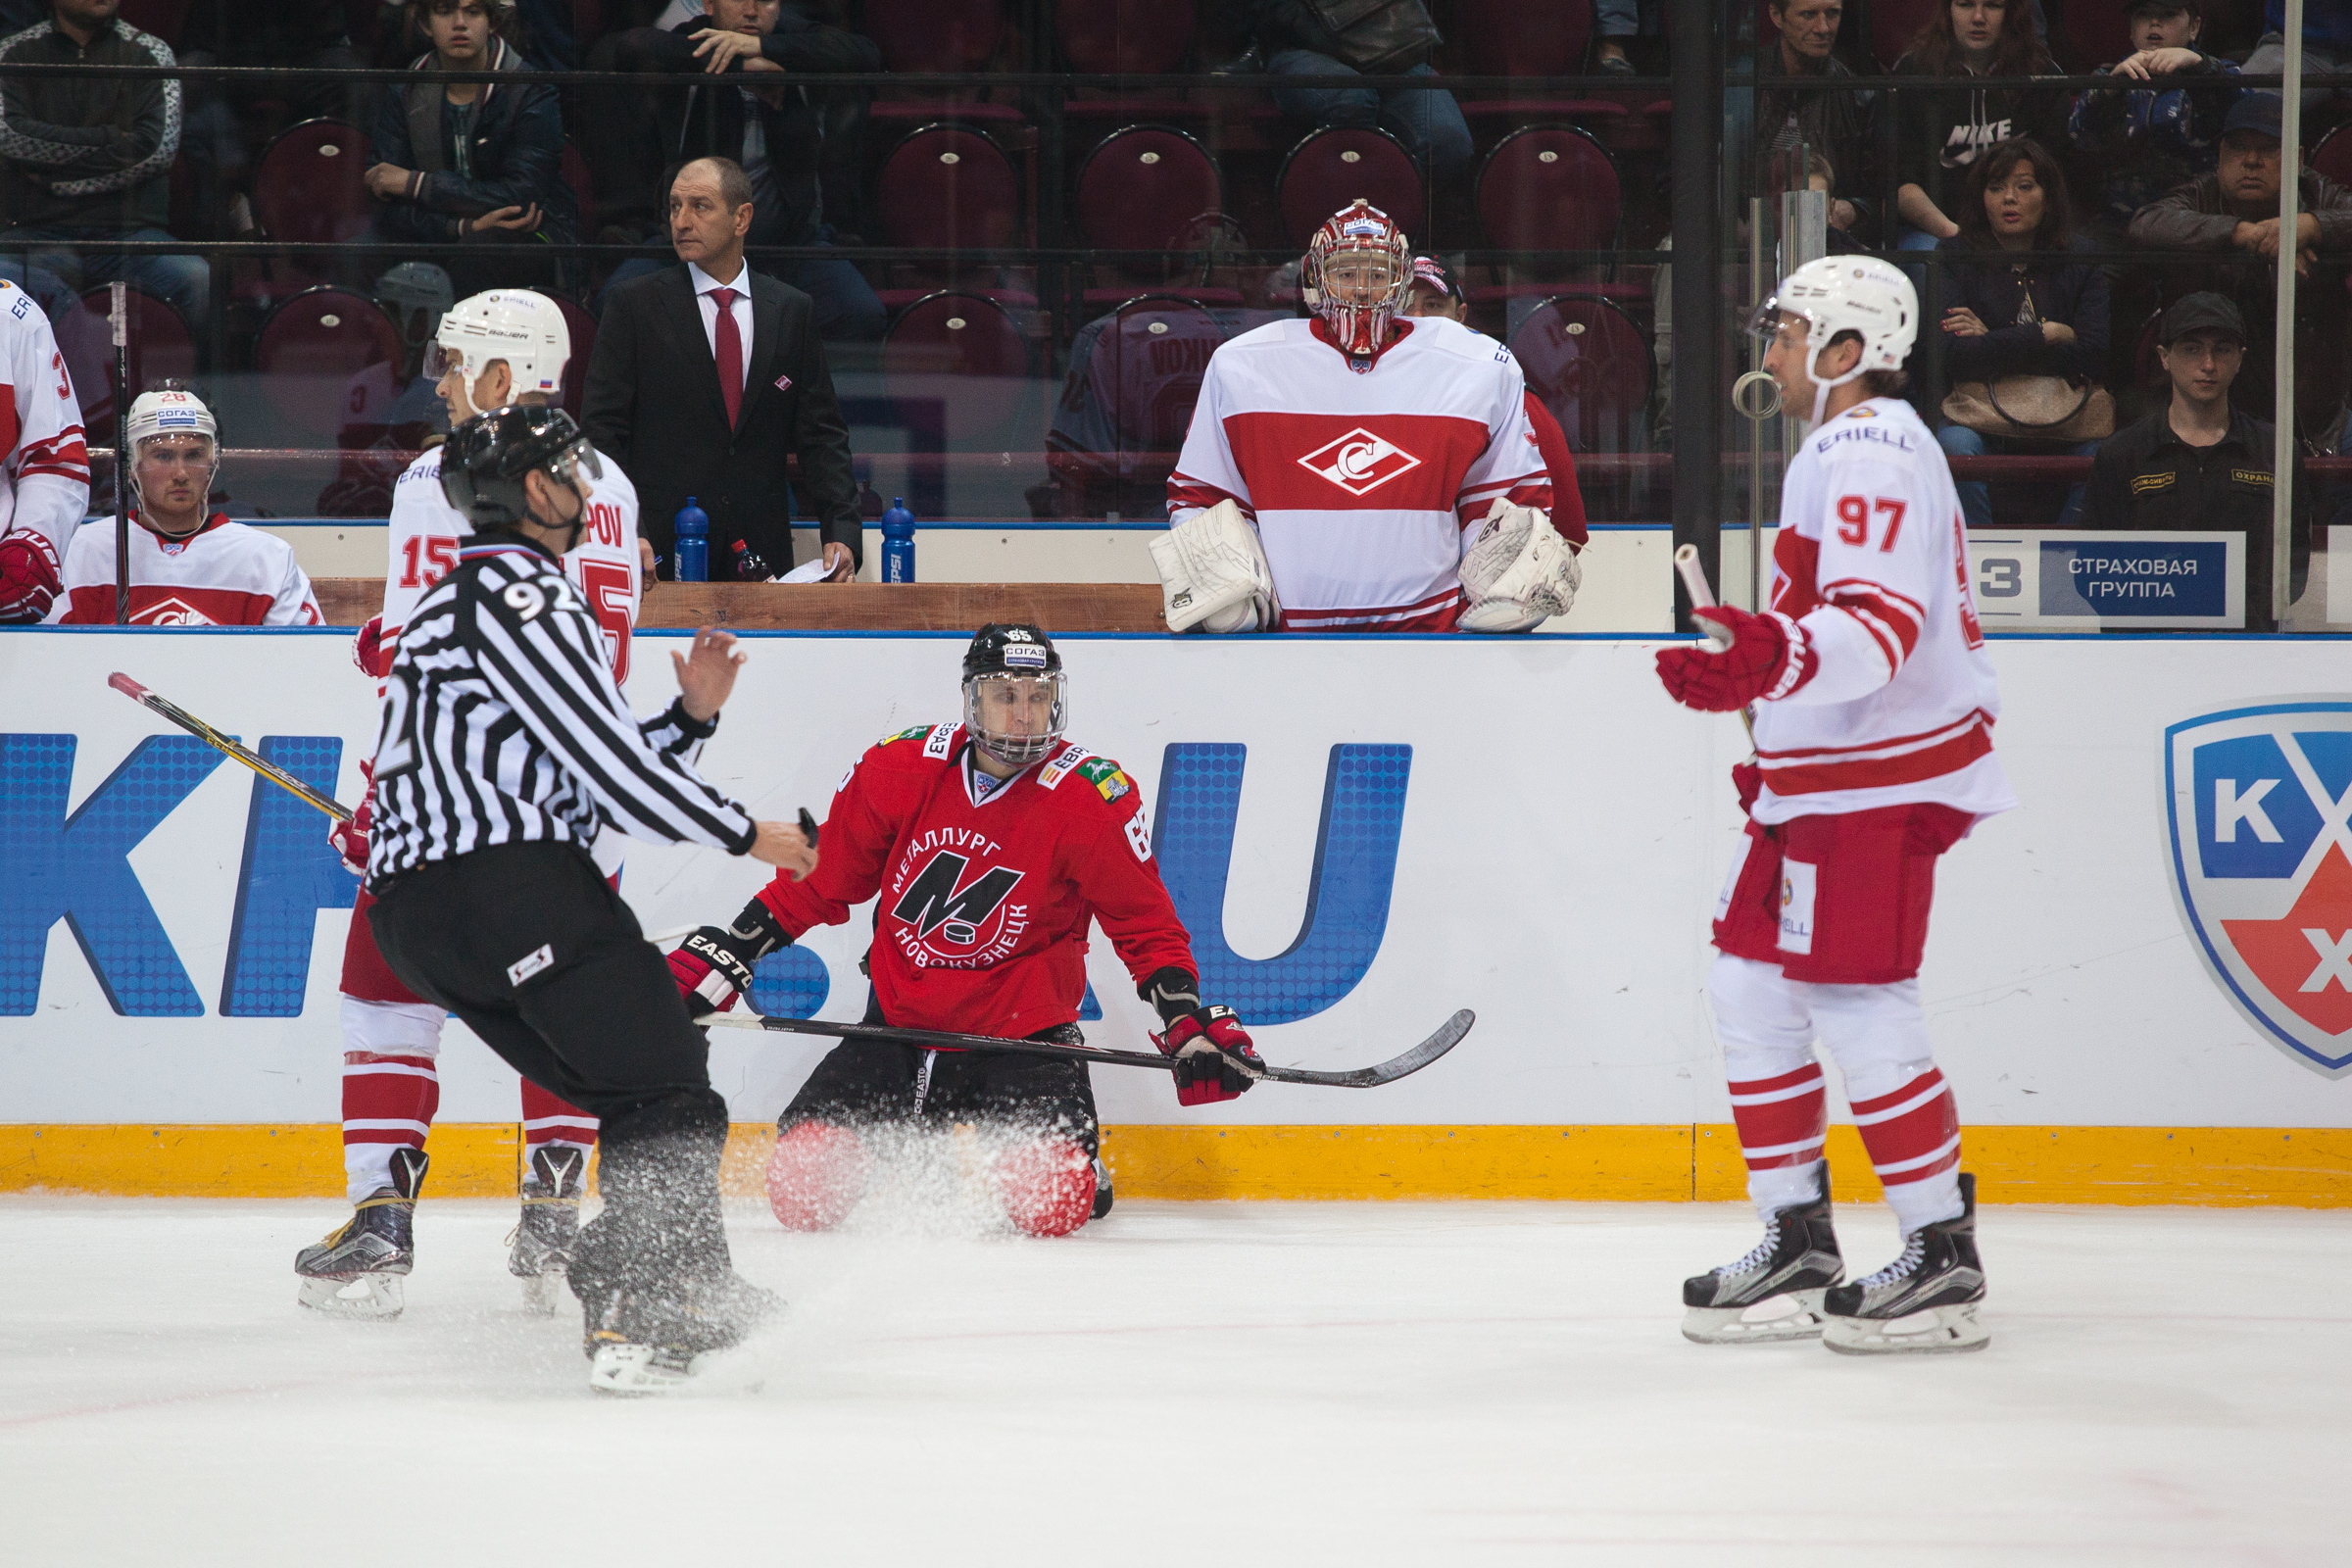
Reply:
x=87 y=153
x=1843 y=126
x=653 y=405
x=516 y=152
x=2146 y=479
x=1938 y=134
x=1996 y=288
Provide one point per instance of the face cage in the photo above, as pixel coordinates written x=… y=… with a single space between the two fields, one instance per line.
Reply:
x=1016 y=750
x=1361 y=329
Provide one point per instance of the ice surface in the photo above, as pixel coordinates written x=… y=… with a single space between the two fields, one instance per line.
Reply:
x=1202 y=1384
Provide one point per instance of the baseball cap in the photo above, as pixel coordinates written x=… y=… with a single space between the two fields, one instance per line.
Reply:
x=2201 y=312
x=2164 y=8
x=2256 y=111
x=1430 y=273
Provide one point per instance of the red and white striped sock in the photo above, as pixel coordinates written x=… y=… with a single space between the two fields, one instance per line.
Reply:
x=550 y=1119
x=388 y=1102
x=1913 y=1135
x=1782 y=1122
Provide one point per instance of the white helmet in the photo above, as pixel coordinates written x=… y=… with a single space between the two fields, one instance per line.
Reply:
x=168 y=412
x=1846 y=294
x=514 y=325
x=413 y=286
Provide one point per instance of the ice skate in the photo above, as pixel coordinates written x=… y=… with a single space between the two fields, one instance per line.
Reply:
x=1101 y=1190
x=550 y=1226
x=355 y=1272
x=1774 y=1293
x=643 y=1342
x=1925 y=1302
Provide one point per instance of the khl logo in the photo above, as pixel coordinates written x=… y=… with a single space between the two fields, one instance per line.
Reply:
x=2259 y=808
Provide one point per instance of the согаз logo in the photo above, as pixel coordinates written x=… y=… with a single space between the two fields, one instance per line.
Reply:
x=2257 y=805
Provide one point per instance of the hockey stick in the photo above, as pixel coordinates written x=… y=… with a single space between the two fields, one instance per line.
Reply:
x=225 y=745
x=1449 y=1035
x=1702 y=597
x=121 y=328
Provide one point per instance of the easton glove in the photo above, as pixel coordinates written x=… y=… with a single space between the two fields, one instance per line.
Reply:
x=368 y=649
x=1214 y=1058
x=29 y=576
x=714 y=965
x=1770 y=657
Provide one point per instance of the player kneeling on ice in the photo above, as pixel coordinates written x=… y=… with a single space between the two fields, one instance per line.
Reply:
x=1873 y=707
x=993 y=845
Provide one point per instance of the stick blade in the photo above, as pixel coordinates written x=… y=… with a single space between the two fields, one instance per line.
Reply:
x=1449 y=1034
x=126 y=686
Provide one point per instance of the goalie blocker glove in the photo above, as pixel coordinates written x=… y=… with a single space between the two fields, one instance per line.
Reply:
x=714 y=965
x=1770 y=658
x=1214 y=1056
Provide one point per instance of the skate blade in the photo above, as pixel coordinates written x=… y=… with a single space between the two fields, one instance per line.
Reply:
x=1937 y=1331
x=637 y=1370
x=543 y=1293
x=361 y=1298
x=1795 y=1315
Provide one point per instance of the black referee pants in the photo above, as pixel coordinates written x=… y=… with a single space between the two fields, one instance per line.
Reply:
x=528 y=946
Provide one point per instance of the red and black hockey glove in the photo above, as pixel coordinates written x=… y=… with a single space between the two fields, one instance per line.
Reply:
x=1214 y=1058
x=30 y=579
x=714 y=965
x=368 y=649
x=1770 y=657
x=350 y=839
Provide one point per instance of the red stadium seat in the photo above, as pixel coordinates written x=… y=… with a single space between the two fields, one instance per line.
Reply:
x=166 y=19
x=159 y=348
x=1895 y=24
x=1515 y=38
x=1331 y=167
x=309 y=350
x=1549 y=187
x=1141 y=189
x=2095 y=33
x=1146 y=372
x=2333 y=155
x=1592 y=368
x=920 y=37
x=1138 y=37
x=967 y=337
x=583 y=344
x=947 y=186
x=307 y=189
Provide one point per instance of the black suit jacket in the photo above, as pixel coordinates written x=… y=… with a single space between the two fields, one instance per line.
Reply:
x=652 y=404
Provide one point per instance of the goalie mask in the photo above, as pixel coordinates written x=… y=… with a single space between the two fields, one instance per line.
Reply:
x=487 y=462
x=1014 y=699
x=162 y=415
x=1358 y=272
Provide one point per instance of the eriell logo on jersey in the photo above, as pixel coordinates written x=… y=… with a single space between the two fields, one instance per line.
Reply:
x=1360 y=461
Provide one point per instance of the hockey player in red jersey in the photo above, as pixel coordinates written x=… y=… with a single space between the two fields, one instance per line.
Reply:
x=1361 y=470
x=189 y=568
x=1873 y=707
x=993 y=846
x=45 y=465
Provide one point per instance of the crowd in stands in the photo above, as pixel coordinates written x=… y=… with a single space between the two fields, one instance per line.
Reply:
x=396 y=198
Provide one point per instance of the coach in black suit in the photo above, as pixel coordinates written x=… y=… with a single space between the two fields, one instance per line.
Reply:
x=657 y=399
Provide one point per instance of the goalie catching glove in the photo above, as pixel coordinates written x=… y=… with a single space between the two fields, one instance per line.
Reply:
x=1518 y=572
x=714 y=965
x=1770 y=658
x=1214 y=1056
x=1213 y=574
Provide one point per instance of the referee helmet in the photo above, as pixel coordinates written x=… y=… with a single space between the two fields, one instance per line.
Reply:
x=487 y=460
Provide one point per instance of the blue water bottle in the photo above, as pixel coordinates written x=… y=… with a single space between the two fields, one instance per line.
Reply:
x=898 y=542
x=693 y=531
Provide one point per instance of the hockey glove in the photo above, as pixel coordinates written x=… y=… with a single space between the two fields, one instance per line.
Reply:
x=368 y=649
x=29 y=579
x=1748 y=779
x=1770 y=657
x=350 y=839
x=714 y=965
x=1214 y=1058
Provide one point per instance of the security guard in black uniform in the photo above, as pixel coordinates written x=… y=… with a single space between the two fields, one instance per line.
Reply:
x=2199 y=465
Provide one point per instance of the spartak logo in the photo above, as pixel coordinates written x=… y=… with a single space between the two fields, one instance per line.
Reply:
x=2258 y=800
x=172 y=612
x=1360 y=461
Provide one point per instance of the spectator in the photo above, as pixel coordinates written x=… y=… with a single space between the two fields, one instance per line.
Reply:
x=227 y=122
x=2148 y=141
x=1436 y=292
x=88 y=160
x=2326 y=44
x=186 y=568
x=775 y=133
x=469 y=160
x=2202 y=462
x=2019 y=318
x=1295 y=42
x=1942 y=133
x=2232 y=215
x=1614 y=22
x=1840 y=125
x=714 y=413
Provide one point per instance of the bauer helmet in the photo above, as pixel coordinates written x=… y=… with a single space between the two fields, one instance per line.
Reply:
x=1838 y=294
x=514 y=325
x=486 y=461
x=1360 y=235
x=414 y=286
x=172 y=411
x=1016 y=660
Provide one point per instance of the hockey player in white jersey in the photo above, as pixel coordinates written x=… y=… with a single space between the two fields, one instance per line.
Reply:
x=1873 y=707
x=188 y=566
x=1359 y=470
x=45 y=465
x=506 y=346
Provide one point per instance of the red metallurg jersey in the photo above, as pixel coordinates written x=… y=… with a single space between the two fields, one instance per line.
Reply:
x=223 y=574
x=985 y=903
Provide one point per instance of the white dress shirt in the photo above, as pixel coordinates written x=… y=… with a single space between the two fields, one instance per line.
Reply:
x=704 y=283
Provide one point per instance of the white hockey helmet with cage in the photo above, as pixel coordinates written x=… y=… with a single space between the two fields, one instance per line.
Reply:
x=1839 y=294
x=172 y=411
x=527 y=329
x=1357 y=230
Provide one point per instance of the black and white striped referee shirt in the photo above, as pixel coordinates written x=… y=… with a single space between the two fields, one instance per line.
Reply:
x=502 y=724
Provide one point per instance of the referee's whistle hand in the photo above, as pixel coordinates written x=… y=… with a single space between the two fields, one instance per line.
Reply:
x=706 y=673
x=785 y=848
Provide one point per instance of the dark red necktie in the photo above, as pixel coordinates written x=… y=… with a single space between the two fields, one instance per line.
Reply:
x=730 y=353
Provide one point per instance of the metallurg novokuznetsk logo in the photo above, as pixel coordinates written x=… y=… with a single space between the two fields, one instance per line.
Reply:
x=1360 y=461
x=2258 y=802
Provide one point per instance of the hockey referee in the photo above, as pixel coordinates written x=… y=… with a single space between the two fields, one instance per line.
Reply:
x=504 y=746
